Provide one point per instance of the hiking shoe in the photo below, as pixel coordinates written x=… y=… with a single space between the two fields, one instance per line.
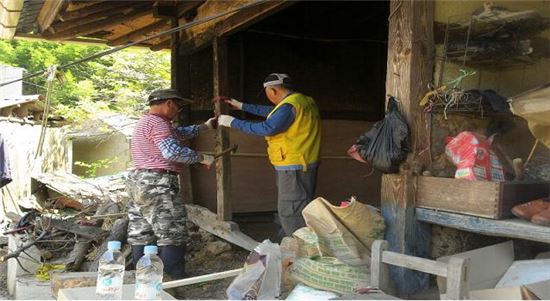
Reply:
x=528 y=210
x=542 y=218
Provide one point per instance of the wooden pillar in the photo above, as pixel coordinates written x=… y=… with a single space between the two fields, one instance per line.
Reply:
x=410 y=69
x=180 y=80
x=223 y=163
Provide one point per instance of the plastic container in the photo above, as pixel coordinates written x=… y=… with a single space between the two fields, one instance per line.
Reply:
x=149 y=270
x=110 y=273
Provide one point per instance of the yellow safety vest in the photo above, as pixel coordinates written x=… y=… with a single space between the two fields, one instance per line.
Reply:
x=300 y=144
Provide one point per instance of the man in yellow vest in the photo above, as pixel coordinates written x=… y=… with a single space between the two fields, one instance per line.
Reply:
x=293 y=132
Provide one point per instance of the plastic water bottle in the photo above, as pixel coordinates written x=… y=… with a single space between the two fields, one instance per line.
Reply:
x=149 y=270
x=110 y=273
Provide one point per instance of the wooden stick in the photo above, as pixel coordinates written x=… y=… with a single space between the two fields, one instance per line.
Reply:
x=25 y=246
x=531 y=153
x=203 y=278
x=104 y=216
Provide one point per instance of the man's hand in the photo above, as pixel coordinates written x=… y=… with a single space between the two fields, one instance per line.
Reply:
x=211 y=123
x=225 y=120
x=207 y=160
x=235 y=104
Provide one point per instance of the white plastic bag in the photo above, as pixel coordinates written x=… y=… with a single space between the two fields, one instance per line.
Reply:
x=261 y=278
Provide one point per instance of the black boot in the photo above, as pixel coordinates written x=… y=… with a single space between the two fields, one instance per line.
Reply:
x=173 y=258
x=137 y=252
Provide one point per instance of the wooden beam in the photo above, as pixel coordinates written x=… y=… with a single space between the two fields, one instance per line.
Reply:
x=410 y=64
x=233 y=23
x=164 y=43
x=79 y=29
x=512 y=228
x=181 y=81
x=48 y=13
x=209 y=221
x=97 y=8
x=102 y=15
x=185 y=7
x=139 y=33
x=223 y=163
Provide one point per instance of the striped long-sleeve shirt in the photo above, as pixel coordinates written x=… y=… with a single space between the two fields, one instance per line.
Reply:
x=155 y=144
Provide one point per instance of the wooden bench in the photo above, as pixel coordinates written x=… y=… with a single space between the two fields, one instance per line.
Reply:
x=456 y=270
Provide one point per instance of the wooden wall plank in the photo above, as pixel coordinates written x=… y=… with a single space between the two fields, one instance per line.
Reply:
x=410 y=64
x=253 y=177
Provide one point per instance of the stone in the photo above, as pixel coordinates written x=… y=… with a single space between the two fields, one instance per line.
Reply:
x=28 y=288
x=61 y=280
x=217 y=247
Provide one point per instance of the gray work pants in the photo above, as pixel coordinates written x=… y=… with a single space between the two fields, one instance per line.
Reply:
x=296 y=189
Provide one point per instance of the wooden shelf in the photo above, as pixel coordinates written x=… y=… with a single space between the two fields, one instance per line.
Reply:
x=513 y=228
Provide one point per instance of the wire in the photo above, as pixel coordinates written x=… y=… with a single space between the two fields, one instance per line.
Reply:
x=160 y=34
x=289 y=36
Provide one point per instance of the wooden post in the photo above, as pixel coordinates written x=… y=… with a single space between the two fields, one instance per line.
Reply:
x=379 y=270
x=223 y=163
x=410 y=69
x=457 y=278
x=180 y=81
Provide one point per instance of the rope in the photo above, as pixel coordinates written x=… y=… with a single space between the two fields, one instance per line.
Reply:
x=160 y=34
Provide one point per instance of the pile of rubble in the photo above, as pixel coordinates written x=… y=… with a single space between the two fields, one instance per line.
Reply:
x=71 y=221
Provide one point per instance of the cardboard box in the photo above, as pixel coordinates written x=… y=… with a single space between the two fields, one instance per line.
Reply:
x=494 y=275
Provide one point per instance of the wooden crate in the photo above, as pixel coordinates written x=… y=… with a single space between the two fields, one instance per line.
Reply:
x=479 y=198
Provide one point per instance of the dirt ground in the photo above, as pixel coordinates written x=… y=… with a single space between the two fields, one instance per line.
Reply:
x=207 y=254
x=210 y=254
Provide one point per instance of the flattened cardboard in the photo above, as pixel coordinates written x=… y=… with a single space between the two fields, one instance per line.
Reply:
x=540 y=289
x=487 y=265
x=524 y=272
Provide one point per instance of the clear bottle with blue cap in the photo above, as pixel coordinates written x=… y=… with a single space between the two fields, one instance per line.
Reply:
x=110 y=273
x=149 y=271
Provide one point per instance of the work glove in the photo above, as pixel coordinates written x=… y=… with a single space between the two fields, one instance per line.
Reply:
x=225 y=120
x=207 y=160
x=235 y=104
x=211 y=123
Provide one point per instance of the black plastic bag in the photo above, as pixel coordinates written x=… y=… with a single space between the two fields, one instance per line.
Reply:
x=386 y=145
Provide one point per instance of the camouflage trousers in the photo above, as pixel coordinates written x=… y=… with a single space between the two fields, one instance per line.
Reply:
x=156 y=211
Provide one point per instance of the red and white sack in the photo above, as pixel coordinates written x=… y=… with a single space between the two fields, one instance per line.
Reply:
x=473 y=157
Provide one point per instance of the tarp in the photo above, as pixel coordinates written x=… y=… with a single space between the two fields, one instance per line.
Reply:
x=534 y=106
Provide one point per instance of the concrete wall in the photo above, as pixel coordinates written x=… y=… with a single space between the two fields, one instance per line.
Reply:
x=21 y=142
x=110 y=146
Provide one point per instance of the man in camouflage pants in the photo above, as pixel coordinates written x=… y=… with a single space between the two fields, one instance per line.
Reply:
x=156 y=212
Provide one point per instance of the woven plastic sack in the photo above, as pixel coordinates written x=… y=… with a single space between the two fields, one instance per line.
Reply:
x=329 y=274
x=346 y=233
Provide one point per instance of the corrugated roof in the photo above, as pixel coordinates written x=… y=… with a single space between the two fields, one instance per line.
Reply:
x=27 y=20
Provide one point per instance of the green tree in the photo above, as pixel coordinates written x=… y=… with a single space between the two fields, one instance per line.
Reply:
x=117 y=82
